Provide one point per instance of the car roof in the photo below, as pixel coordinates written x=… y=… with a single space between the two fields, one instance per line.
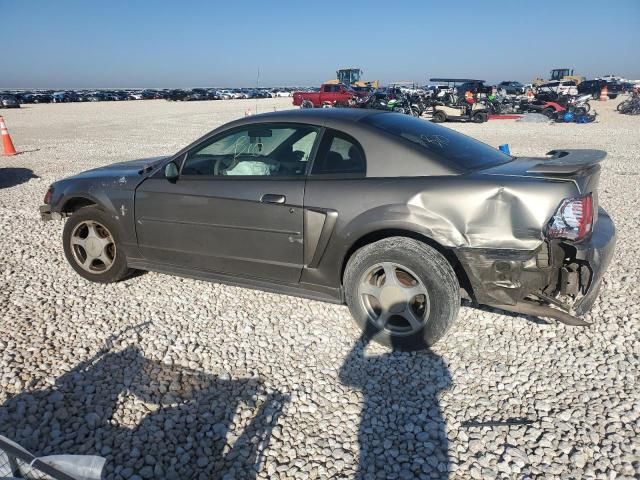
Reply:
x=312 y=115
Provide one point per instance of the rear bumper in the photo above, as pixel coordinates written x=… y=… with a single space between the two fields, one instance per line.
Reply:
x=506 y=278
x=597 y=253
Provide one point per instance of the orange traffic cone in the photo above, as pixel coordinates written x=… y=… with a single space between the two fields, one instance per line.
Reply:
x=7 y=144
x=529 y=95
x=604 y=93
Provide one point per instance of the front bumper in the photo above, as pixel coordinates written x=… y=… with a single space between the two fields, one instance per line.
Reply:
x=506 y=278
x=47 y=214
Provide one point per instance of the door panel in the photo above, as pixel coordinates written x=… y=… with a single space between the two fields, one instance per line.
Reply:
x=223 y=225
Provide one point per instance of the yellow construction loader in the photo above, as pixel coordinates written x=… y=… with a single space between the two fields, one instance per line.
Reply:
x=351 y=76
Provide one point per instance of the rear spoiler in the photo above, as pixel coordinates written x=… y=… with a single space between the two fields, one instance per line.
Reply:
x=568 y=161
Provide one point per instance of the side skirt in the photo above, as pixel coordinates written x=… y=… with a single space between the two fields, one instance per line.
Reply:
x=304 y=290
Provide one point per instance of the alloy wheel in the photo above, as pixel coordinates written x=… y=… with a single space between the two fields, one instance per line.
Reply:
x=394 y=298
x=93 y=247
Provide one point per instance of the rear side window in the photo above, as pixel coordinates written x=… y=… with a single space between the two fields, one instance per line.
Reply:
x=339 y=153
x=439 y=143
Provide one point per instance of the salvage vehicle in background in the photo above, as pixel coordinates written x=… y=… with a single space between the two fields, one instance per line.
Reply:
x=9 y=101
x=386 y=212
x=330 y=94
x=452 y=108
x=561 y=88
x=594 y=88
x=512 y=87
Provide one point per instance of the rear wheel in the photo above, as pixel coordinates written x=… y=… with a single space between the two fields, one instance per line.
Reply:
x=402 y=293
x=306 y=104
x=439 y=117
x=548 y=112
x=92 y=247
x=479 y=117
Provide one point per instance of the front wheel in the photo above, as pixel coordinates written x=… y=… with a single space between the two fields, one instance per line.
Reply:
x=92 y=247
x=402 y=293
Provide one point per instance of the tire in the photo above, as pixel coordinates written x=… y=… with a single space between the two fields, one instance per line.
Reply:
x=77 y=229
x=432 y=312
x=479 y=117
x=580 y=111
x=622 y=105
x=306 y=104
x=548 y=112
x=439 y=117
x=613 y=96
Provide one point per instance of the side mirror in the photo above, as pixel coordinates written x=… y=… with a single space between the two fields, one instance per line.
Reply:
x=171 y=172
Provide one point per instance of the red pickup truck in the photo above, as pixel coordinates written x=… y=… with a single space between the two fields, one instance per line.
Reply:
x=330 y=94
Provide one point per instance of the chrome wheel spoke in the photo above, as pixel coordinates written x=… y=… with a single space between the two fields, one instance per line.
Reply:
x=383 y=318
x=79 y=241
x=410 y=316
x=390 y=277
x=368 y=289
x=104 y=258
x=88 y=261
x=414 y=291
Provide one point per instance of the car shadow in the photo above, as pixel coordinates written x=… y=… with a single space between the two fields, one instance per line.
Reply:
x=12 y=176
x=182 y=423
x=402 y=429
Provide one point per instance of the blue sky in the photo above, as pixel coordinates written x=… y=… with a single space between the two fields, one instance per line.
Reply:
x=76 y=44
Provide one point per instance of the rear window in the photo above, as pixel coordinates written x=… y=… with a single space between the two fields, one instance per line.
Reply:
x=440 y=143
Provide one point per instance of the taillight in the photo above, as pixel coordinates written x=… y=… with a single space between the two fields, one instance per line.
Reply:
x=48 y=195
x=573 y=219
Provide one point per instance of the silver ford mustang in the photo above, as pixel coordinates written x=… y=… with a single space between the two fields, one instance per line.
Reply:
x=391 y=214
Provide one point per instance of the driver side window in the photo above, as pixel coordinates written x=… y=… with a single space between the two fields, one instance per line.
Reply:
x=255 y=150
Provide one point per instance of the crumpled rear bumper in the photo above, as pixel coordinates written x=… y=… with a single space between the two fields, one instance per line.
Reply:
x=503 y=277
x=597 y=253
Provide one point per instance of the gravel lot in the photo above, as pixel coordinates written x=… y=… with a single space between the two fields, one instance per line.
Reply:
x=177 y=378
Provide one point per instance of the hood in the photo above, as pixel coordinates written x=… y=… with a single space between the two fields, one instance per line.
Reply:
x=133 y=168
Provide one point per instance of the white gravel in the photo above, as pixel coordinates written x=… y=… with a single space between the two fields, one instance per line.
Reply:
x=203 y=380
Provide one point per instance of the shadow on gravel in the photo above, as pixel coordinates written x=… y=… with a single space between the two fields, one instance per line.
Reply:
x=402 y=429
x=10 y=176
x=186 y=420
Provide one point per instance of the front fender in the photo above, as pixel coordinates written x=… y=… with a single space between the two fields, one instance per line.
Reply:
x=117 y=202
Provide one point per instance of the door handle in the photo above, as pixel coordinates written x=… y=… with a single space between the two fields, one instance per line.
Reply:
x=273 y=198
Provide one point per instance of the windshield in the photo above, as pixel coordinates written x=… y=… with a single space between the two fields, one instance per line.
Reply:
x=444 y=144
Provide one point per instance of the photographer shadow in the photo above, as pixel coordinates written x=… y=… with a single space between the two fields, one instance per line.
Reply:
x=185 y=423
x=402 y=429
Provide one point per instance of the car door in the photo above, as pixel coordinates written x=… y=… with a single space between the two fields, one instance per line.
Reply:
x=236 y=206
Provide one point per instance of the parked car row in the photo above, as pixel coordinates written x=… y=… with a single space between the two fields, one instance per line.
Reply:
x=11 y=99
